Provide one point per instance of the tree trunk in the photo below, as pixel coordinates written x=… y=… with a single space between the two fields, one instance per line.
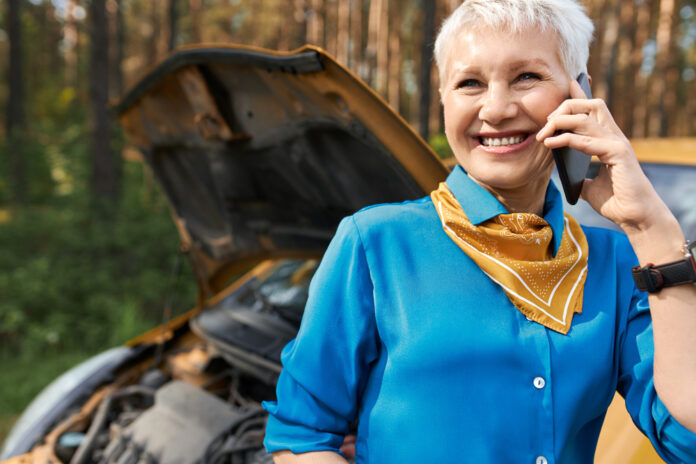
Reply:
x=374 y=21
x=343 y=32
x=196 y=11
x=672 y=79
x=315 y=24
x=597 y=11
x=640 y=79
x=394 y=77
x=383 y=50
x=355 y=59
x=15 y=105
x=623 y=88
x=70 y=37
x=51 y=32
x=657 y=120
x=116 y=36
x=330 y=22
x=300 y=15
x=426 y=60
x=285 y=26
x=158 y=41
x=104 y=167
x=173 y=17
x=607 y=53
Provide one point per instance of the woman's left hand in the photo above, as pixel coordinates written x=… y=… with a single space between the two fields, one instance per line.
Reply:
x=621 y=192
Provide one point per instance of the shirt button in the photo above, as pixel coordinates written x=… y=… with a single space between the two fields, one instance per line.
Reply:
x=539 y=383
x=541 y=460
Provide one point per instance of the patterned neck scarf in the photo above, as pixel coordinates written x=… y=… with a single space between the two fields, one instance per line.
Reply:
x=514 y=251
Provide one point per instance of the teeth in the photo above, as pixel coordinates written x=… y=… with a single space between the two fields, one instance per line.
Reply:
x=502 y=141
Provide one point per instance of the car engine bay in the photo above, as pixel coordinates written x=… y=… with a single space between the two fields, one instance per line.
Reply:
x=196 y=398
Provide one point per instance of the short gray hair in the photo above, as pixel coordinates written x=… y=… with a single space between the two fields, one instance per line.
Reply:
x=566 y=18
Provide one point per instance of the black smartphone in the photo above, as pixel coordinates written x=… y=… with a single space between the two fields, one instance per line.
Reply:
x=572 y=164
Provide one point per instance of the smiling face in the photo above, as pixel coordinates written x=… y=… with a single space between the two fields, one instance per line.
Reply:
x=498 y=90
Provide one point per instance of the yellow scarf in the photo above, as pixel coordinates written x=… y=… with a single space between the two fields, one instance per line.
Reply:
x=514 y=251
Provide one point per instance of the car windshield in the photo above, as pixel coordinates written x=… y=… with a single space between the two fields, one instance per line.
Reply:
x=676 y=184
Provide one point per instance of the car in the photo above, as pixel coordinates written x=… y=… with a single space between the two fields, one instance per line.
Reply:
x=260 y=153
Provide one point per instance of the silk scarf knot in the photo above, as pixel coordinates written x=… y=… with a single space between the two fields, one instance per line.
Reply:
x=515 y=250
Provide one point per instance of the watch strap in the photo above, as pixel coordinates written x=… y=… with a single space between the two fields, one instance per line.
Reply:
x=653 y=278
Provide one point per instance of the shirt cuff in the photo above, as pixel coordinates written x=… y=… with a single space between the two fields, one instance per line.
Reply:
x=677 y=439
x=297 y=438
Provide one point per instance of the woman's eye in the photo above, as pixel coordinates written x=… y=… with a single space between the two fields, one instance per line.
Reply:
x=468 y=83
x=527 y=77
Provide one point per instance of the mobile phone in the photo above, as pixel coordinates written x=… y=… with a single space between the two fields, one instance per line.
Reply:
x=572 y=164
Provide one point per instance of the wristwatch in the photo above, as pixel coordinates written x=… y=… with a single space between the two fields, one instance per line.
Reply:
x=653 y=278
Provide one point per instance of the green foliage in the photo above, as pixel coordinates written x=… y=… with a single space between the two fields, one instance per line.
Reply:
x=73 y=283
x=438 y=142
x=25 y=376
x=6 y=423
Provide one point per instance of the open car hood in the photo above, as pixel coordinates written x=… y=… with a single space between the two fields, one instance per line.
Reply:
x=261 y=153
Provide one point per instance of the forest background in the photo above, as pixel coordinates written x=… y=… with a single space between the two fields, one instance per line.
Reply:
x=88 y=252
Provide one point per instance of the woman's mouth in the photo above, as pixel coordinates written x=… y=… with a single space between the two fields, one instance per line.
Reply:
x=503 y=144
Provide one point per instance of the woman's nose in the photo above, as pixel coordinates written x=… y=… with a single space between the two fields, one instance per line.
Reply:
x=498 y=104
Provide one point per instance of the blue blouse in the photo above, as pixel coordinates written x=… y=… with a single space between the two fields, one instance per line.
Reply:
x=404 y=334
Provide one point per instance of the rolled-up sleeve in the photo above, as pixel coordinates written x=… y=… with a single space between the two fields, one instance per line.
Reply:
x=325 y=368
x=672 y=441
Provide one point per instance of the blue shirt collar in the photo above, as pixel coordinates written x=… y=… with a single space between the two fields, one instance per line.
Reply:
x=480 y=205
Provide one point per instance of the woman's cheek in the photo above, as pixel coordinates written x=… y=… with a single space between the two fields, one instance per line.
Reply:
x=540 y=104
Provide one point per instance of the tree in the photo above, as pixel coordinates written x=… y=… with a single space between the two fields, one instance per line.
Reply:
x=607 y=51
x=622 y=91
x=300 y=15
x=173 y=20
x=104 y=180
x=315 y=24
x=114 y=10
x=356 y=33
x=196 y=12
x=343 y=32
x=425 y=67
x=394 y=72
x=15 y=107
x=657 y=122
x=70 y=39
x=641 y=37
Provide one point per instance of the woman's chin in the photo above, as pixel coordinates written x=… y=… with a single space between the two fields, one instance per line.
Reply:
x=506 y=180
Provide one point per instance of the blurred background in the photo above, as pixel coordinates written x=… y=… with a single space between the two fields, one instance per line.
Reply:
x=88 y=254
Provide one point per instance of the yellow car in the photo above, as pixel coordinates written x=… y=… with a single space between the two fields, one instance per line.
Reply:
x=261 y=154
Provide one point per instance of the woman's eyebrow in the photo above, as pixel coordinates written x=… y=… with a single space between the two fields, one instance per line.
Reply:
x=459 y=68
x=517 y=65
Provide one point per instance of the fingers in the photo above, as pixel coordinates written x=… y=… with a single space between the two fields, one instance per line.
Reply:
x=574 y=123
x=590 y=145
x=580 y=106
x=576 y=91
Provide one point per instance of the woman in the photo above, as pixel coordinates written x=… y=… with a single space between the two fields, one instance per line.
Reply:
x=480 y=324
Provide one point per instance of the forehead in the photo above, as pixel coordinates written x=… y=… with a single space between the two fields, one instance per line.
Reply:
x=494 y=49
